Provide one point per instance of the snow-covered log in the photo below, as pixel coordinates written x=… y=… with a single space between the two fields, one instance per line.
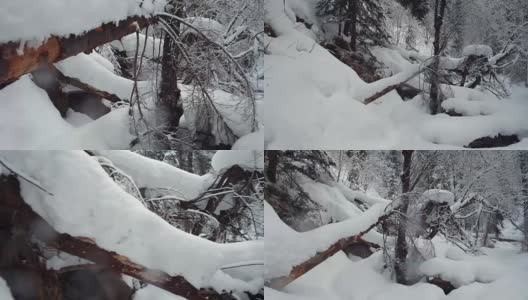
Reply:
x=296 y=253
x=15 y=63
x=88 y=249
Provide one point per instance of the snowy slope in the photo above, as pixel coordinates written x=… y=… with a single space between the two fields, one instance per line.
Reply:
x=87 y=203
x=313 y=101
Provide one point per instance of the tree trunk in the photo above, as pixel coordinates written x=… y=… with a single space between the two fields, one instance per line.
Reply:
x=435 y=94
x=170 y=93
x=524 y=195
x=353 y=13
x=271 y=168
x=401 y=242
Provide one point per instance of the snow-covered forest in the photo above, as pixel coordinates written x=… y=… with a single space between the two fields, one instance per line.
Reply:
x=119 y=225
x=243 y=149
x=396 y=74
x=131 y=74
x=369 y=225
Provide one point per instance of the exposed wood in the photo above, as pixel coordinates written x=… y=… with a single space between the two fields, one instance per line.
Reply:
x=390 y=88
x=299 y=270
x=54 y=49
x=24 y=217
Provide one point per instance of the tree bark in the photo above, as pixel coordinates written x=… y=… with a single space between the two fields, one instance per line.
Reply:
x=13 y=65
x=401 y=242
x=170 y=93
x=524 y=194
x=353 y=13
x=24 y=217
x=435 y=95
x=271 y=168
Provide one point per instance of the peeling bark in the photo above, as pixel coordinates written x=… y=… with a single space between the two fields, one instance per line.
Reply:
x=54 y=49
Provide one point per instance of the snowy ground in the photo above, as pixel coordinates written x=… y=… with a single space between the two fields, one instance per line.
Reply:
x=313 y=101
x=498 y=272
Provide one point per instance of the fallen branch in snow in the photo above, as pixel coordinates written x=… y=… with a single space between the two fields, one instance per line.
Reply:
x=301 y=269
x=25 y=217
x=13 y=64
x=390 y=88
x=85 y=87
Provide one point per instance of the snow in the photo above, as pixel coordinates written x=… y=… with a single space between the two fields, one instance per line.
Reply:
x=151 y=292
x=461 y=273
x=5 y=292
x=478 y=50
x=339 y=278
x=128 y=44
x=150 y=173
x=46 y=18
x=28 y=120
x=88 y=69
x=61 y=260
x=254 y=140
x=249 y=160
x=440 y=196
x=87 y=203
x=286 y=248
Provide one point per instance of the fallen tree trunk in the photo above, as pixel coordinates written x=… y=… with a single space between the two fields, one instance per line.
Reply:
x=54 y=49
x=390 y=88
x=23 y=216
x=301 y=269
